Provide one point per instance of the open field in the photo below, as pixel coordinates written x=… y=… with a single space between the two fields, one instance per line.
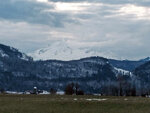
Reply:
x=72 y=104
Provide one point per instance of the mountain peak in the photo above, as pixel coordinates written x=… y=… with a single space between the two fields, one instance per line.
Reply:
x=145 y=59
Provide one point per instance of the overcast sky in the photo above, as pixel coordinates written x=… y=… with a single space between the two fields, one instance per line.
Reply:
x=119 y=28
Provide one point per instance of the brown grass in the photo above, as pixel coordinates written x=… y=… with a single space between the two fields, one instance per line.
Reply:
x=72 y=104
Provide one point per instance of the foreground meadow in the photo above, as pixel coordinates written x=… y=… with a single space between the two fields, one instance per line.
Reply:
x=72 y=104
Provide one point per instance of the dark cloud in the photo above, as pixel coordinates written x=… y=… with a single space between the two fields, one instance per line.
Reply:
x=37 y=12
x=31 y=12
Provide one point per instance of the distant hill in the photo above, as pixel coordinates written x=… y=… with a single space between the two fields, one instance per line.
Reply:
x=19 y=72
x=143 y=72
x=145 y=59
x=126 y=64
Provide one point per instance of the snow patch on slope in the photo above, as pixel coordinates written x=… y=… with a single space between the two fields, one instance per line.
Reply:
x=119 y=71
x=24 y=57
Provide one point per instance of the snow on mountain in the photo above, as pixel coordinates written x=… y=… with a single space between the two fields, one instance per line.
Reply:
x=62 y=50
x=3 y=54
x=119 y=71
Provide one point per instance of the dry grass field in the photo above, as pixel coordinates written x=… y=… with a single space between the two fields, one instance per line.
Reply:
x=72 y=104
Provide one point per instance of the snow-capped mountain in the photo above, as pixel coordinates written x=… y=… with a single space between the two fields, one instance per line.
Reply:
x=62 y=50
x=93 y=74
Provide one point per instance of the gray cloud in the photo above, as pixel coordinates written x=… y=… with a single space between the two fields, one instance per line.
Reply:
x=31 y=12
x=30 y=25
x=137 y=2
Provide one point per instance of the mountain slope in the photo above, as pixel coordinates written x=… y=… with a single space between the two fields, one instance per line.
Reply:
x=143 y=75
x=18 y=74
x=23 y=75
x=10 y=52
x=143 y=72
